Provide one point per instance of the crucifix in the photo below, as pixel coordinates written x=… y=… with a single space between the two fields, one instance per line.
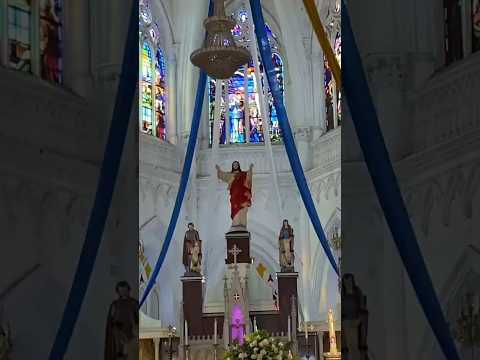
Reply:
x=235 y=251
x=236 y=297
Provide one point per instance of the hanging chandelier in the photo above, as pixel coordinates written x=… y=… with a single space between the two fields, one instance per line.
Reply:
x=219 y=57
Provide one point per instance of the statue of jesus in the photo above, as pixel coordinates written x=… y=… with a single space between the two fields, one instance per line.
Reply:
x=240 y=187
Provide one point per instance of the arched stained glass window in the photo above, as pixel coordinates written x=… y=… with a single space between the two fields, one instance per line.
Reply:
x=147 y=98
x=51 y=40
x=160 y=97
x=333 y=105
x=34 y=37
x=243 y=94
x=153 y=76
x=338 y=54
x=19 y=35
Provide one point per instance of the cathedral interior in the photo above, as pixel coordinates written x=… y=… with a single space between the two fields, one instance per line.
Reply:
x=313 y=105
x=60 y=62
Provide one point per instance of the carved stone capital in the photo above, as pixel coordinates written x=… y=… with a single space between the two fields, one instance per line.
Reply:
x=303 y=133
x=386 y=70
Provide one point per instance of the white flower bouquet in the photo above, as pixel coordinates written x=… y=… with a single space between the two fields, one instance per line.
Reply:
x=259 y=345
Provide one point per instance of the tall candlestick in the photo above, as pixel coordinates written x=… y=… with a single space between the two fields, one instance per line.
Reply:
x=186 y=332
x=215 y=332
x=289 y=328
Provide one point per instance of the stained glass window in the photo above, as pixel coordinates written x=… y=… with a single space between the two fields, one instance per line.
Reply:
x=19 y=35
x=211 y=110
x=51 y=40
x=160 y=96
x=338 y=53
x=239 y=90
x=475 y=25
x=333 y=104
x=147 y=99
x=329 y=97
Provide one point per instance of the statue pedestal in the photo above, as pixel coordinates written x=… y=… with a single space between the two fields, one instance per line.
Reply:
x=242 y=240
x=193 y=303
x=287 y=288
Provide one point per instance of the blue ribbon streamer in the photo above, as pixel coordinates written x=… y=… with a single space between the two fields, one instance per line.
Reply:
x=288 y=140
x=386 y=186
x=106 y=185
x=192 y=140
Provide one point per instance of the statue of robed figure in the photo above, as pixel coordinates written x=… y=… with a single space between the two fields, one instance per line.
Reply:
x=122 y=326
x=354 y=320
x=286 y=247
x=192 y=250
x=240 y=186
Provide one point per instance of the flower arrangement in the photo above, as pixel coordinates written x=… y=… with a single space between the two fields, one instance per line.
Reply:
x=259 y=345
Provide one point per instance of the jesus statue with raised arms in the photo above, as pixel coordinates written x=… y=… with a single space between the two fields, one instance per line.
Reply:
x=240 y=187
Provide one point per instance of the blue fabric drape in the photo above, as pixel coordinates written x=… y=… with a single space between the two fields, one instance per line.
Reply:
x=386 y=186
x=106 y=185
x=266 y=55
x=192 y=140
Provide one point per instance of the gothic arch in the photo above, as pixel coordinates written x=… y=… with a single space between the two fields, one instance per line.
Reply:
x=467 y=267
x=161 y=13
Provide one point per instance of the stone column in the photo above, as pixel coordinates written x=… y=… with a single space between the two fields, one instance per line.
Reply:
x=107 y=51
x=156 y=343
x=387 y=73
x=172 y=120
x=318 y=75
x=77 y=54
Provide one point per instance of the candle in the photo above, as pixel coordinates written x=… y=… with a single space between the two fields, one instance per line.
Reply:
x=186 y=332
x=255 y=324
x=215 y=332
x=306 y=331
x=289 y=328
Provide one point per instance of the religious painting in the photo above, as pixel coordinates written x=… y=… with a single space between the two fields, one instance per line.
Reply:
x=19 y=19
x=51 y=40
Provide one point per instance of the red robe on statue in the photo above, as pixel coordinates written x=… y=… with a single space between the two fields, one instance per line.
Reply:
x=240 y=193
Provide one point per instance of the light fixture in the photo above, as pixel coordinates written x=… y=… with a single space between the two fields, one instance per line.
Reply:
x=219 y=57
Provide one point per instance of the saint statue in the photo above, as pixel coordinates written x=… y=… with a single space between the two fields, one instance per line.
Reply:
x=240 y=187
x=192 y=250
x=122 y=326
x=285 y=239
x=354 y=320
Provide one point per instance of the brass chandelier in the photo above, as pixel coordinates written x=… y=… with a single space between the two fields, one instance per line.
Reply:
x=219 y=57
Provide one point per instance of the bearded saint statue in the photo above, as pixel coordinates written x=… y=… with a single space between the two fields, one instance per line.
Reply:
x=240 y=187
